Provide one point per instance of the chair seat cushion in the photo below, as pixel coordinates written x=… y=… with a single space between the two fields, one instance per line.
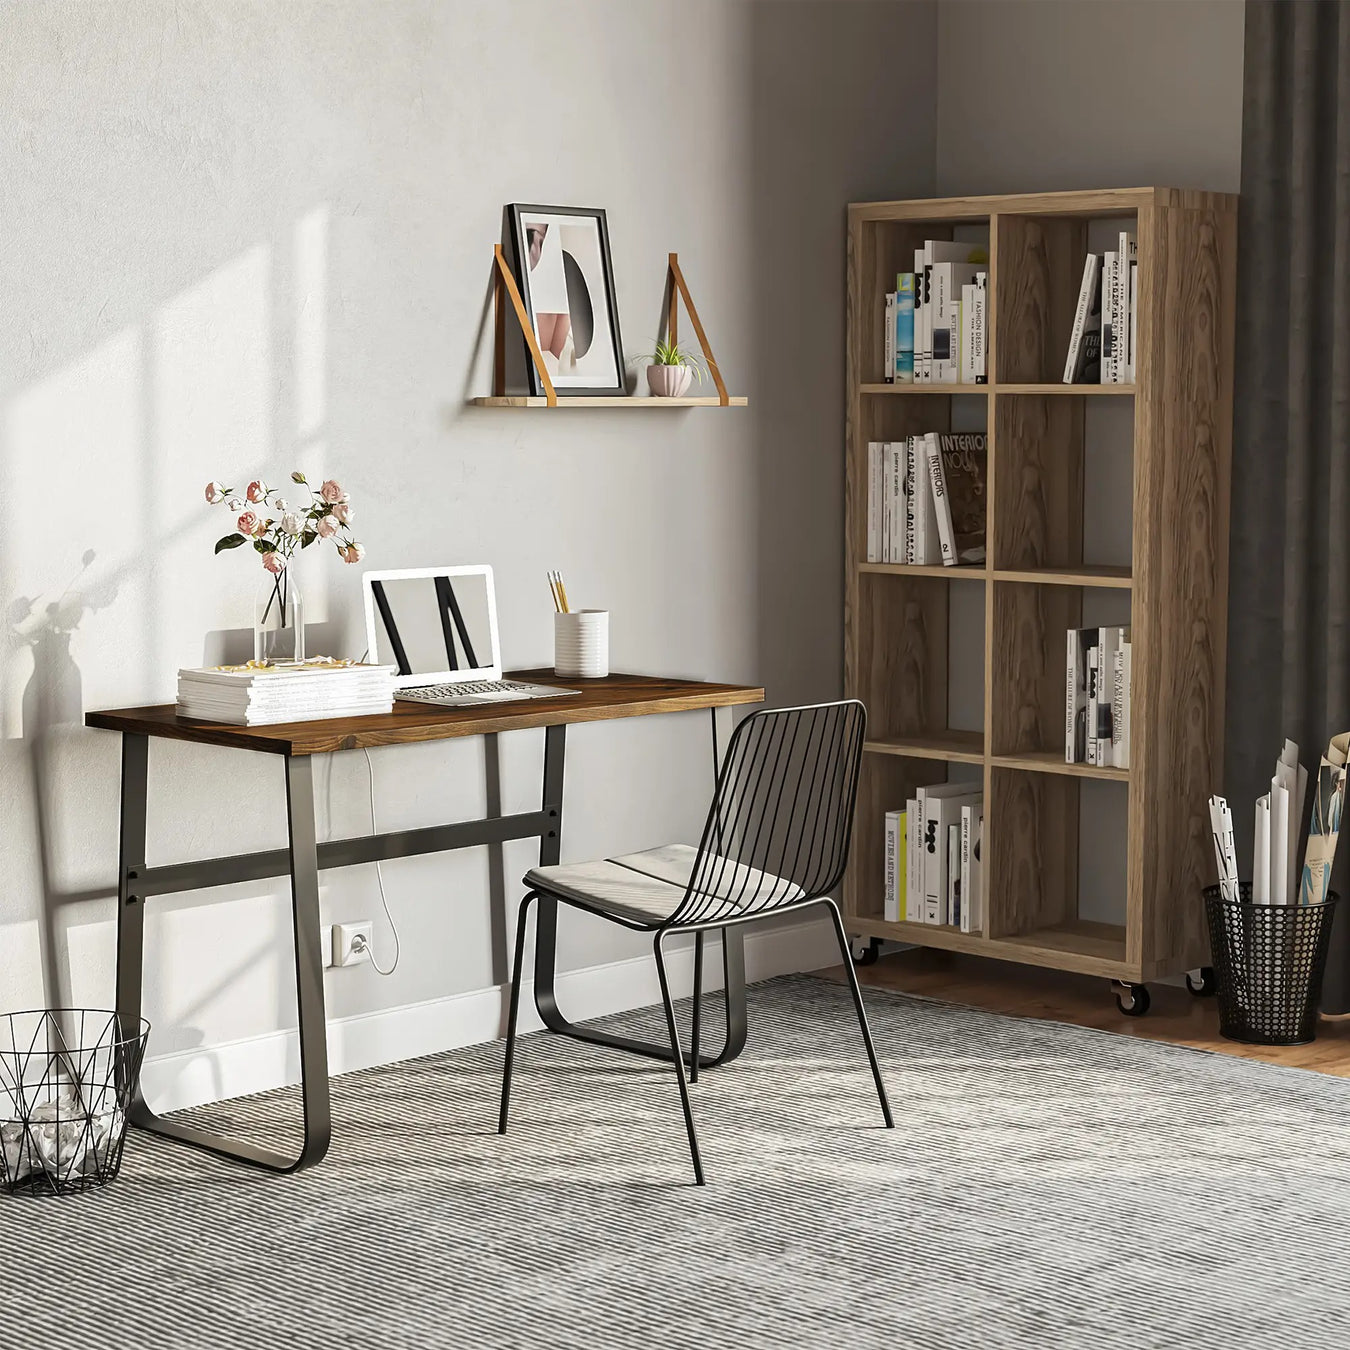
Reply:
x=647 y=887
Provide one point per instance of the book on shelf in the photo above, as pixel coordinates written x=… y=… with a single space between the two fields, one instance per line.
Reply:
x=971 y=916
x=953 y=916
x=949 y=279
x=301 y=691
x=1097 y=697
x=930 y=328
x=1083 y=364
x=1127 y=263
x=940 y=805
x=896 y=865
x=927 y=500
x=904 y=328
x=913 y=907
x=889 y=330
x=974 y=320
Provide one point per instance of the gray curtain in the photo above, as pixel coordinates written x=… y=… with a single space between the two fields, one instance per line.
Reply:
x=1289 y=594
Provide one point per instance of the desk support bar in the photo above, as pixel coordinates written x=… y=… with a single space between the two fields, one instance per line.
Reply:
x=191 y=876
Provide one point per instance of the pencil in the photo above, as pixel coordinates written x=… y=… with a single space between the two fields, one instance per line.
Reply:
x=562 y=590
x=553 y=591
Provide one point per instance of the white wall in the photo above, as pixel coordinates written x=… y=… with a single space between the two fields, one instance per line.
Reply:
x=1041 y=95
x=236 y=238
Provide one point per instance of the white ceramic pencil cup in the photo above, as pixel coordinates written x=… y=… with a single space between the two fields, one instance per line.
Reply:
x=581 y=644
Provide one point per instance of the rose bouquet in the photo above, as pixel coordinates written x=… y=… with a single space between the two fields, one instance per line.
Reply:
x=277 y=529
x=277 y=536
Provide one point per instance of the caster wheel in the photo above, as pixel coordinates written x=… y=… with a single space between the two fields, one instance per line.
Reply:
x=1132 y=999
x=869 y=954
x=1205 y=986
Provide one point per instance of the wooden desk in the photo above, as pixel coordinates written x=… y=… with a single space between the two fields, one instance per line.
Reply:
x=304 y=857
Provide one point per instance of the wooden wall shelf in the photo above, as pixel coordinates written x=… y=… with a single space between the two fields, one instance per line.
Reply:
x=900 y=621
x=599 y=401
x=507 y=299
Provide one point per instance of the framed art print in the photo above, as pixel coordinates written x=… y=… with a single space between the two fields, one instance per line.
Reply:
x=566 y=280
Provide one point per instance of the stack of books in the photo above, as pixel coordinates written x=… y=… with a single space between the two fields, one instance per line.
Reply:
x=936 y=329
x=926 y=499
x=1097 y=697
x=257 y=694
x=934 y=872
x=1102 y=340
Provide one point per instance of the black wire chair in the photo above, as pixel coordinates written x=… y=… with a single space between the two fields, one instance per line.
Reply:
x=776 y=839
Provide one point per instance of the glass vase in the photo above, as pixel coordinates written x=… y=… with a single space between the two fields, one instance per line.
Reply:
x=279 y=620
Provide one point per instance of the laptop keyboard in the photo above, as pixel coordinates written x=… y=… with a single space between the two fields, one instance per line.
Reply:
x=431 y=692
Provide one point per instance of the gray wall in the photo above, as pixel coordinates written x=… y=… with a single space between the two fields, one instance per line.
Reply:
x=240 y=237
x=1039 y=95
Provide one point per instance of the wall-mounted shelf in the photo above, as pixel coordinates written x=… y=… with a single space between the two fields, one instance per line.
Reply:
x=603 y=401
x=507 y=294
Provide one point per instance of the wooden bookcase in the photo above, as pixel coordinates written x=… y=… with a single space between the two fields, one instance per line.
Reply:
x=901 y=626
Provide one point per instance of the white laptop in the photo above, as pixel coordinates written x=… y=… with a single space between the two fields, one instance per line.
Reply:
x=438 y=627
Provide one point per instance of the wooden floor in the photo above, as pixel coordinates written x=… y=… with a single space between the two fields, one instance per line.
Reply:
x=1175 y=1015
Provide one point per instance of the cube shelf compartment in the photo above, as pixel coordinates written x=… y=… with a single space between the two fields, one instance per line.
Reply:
x=1042 y=576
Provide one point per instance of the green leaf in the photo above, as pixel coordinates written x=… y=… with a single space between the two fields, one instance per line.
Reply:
x=263 y=546
x=308 y=538
x=229 y=541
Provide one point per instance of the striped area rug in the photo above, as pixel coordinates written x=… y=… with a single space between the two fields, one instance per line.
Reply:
x=1046 y=1186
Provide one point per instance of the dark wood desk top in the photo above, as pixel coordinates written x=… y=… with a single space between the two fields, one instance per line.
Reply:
x=599 y=701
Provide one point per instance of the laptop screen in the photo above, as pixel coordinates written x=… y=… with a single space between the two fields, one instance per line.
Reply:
x=434 y=627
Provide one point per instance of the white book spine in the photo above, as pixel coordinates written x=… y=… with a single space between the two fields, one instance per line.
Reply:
x=1124 y=761
x=942 y=510
x=1109 y=331
x=927 y=548
x=972 y=881
x=922 y=311
x=895 y=455
x=911 y=501
x=979 y=324
x=884 y=502
x=1131 y=365
x=1120 y=750
x=1071 y=697
x=967 y=371
x=888 y=355
x=875 y=502
x=892 y=893
x=913 y=861
x=1104 y=729
x=954 y=875
x=1125 y=256
x=943 y=367
x=1080 y=317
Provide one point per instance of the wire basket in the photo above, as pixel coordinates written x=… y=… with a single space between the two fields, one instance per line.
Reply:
x=1268 y=964
x=67 y=1078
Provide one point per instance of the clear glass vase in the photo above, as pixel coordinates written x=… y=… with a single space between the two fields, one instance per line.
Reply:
x=279 y=620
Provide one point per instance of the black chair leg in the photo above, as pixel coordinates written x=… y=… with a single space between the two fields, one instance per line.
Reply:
x=698 y=1004
x=522 y=920
x=678 y=1058
x=862 y=1013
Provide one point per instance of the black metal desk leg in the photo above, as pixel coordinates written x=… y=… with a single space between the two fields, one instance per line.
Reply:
x=304 y=869
x=546 y=943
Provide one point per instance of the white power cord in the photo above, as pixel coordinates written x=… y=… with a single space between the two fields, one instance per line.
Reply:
x=359 y=943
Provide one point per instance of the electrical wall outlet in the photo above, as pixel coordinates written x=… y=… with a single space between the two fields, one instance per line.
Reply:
x=344 y=935
x=326 y=945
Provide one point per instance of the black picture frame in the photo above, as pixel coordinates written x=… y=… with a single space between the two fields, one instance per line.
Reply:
x=565 y=385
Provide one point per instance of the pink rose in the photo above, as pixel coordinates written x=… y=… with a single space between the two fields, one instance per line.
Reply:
x=327 y=527
x=352 y=553
x=257 y=491
x=342 y=513
x=214 y=492
x=247 y=523
x=274 y=562
x=331 y=491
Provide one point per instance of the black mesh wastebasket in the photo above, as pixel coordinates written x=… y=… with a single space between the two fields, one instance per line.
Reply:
x=67 y=1077
x=1268 y=965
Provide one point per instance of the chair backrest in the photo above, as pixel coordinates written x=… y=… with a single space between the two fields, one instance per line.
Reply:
x=779 y=828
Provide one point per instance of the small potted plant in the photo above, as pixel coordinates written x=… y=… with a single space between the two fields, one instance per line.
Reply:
x=671 y=368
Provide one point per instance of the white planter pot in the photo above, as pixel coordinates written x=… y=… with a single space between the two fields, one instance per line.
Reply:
x=669 y=381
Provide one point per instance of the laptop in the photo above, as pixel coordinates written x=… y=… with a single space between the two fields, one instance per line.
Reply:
x=438 y=627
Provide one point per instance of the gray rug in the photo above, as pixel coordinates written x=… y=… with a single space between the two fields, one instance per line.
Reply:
x=1045 y=1186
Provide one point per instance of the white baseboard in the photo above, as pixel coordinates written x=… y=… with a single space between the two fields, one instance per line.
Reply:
x=193 y=1077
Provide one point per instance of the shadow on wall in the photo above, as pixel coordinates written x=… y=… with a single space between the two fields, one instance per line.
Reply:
x=52 y=707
